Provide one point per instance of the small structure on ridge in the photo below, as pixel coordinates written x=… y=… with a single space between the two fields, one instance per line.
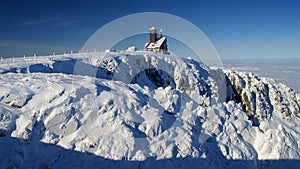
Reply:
x=158 y=45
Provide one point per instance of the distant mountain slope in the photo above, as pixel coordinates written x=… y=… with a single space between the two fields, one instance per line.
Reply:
x=142 y=110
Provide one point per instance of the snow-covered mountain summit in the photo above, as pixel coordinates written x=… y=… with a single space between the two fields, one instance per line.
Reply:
x=142 y=110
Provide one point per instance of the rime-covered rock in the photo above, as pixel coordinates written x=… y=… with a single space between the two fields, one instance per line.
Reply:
x=141 y=110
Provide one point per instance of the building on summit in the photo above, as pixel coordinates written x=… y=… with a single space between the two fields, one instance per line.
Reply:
x=158 y=45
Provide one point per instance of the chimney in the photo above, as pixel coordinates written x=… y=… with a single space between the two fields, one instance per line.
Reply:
x=152 y=35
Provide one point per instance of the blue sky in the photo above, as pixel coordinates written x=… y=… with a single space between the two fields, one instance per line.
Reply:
x=238 y=29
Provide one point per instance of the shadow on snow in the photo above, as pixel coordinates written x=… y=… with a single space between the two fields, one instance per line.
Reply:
x=19 y=153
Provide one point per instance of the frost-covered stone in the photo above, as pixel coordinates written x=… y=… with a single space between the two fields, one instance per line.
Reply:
x=143 y=110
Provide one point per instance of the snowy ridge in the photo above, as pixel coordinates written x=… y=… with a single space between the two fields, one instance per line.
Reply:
x=260 y=97
x=124 y=108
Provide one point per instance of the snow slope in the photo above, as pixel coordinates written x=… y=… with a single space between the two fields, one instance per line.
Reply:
x=142 y=110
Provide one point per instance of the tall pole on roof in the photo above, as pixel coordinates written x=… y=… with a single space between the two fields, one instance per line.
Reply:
x=161 y=31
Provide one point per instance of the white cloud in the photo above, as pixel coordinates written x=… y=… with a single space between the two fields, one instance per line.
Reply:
x=65 y=23
x=51 y=21
x=35 y=22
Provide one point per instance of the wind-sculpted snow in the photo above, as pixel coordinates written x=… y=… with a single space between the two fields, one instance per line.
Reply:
x=141 y=110
x=260 y=97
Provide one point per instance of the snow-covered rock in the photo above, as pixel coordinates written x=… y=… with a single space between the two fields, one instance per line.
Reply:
x=138 y=109
x=261 y=97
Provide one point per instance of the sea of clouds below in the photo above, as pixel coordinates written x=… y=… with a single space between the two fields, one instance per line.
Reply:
x=285 y=71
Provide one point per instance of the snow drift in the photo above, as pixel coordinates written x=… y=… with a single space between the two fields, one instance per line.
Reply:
x=142 y=110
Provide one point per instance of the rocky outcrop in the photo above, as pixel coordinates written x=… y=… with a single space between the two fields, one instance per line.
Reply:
x=260 y=97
